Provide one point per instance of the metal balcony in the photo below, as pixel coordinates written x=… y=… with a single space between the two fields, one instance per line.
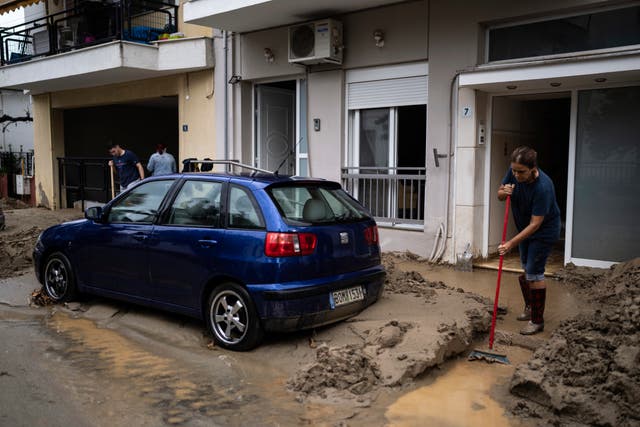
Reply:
x=394 y=196
x=88 y=25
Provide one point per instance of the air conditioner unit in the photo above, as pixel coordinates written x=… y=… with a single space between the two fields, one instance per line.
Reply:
x=316 y=42
x=41 y=41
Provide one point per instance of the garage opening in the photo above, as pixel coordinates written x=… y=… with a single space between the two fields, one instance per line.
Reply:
x=137 y=126
x=541 y=121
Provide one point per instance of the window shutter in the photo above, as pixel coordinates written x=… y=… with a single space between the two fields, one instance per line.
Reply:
x=393 y=92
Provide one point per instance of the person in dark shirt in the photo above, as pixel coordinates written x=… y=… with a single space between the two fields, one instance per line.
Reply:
x=537 y=218
x=127 y=164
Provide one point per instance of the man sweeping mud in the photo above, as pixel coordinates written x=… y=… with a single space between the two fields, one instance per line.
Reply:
x=537 y=218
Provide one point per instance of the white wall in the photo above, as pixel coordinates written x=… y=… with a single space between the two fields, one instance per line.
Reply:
x=10 y=19
x=19 y=135
x=23 y=14
x=325 y=146
x=35 y=11
x=16 y=104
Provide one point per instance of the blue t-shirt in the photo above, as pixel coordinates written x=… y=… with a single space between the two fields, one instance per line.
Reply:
x=161 y=164
x=126 y=166
x=536 y=198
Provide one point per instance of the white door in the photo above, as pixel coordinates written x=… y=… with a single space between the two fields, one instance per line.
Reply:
x=275 y=129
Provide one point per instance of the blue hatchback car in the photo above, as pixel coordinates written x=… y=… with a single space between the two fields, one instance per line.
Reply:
x=248 y=254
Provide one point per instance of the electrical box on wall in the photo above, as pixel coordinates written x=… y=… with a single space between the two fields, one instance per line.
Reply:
x=23 y=185
x=481 y=134
x=316 y=42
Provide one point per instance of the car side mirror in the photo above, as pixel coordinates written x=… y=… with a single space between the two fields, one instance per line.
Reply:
x=94 y=213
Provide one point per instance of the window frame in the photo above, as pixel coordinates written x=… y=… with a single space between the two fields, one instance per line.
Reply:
x=354 y=144
x=329 y=188
x=553 y=17
x=164 y=220
x=161 y=206
x=254 y=203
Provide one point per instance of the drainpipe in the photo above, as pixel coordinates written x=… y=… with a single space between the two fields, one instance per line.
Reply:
x=226 y=95
x=453 y=102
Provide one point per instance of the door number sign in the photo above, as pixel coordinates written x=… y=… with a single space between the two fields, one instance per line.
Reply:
x=467 y=112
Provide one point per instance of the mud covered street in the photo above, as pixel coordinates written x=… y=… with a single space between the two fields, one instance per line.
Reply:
x=120 y=358
x=402 y=362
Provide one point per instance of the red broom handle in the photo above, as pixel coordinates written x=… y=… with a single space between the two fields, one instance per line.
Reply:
x=495 y=301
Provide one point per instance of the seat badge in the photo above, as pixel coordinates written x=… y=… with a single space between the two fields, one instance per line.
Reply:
x=344 y=238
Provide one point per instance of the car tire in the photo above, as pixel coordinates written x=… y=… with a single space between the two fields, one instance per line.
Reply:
x=59 y=278
x=232 y=318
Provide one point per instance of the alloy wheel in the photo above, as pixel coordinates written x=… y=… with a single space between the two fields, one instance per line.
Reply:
x=56 y=279
x=229 y=317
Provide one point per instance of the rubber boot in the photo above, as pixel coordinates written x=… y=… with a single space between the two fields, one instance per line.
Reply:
x=526 y=295
x=536 y=324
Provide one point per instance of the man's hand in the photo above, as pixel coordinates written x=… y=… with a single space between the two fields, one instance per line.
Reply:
x=505 y=248
x=110 y=163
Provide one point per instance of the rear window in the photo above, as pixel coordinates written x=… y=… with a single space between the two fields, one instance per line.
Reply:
x=316 y=205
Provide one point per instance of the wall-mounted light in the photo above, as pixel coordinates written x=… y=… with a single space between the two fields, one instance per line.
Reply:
x=555 y=84
x=235 y=79
x=600 y=80
x=268 y=55
x=378 y=37
x=512 y=87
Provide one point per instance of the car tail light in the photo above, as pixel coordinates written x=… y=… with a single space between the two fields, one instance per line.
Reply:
x=371 y=235
x=289 y=244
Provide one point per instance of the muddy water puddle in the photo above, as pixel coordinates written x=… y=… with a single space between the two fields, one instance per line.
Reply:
x=463 y=394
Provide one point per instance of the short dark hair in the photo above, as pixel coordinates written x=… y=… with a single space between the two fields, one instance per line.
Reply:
x=525 y=156
x=114 y=145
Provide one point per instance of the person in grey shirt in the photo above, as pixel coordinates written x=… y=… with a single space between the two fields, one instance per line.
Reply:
x=161 y=162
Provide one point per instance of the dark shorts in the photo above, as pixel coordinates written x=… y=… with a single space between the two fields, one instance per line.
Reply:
x=533 y=256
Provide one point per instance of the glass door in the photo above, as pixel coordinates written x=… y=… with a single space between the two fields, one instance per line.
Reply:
x=606 y=206
x=375 y=155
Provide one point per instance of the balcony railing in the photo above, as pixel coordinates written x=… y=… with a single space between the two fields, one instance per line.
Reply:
x=393 y=195
x=92 y=23
x=16 y=162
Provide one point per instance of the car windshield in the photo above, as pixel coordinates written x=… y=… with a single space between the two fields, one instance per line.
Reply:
x=316 y=204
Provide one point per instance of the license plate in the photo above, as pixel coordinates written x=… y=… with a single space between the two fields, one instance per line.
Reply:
x=346 y=296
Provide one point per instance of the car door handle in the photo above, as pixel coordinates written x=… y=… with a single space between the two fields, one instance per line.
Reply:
x=206 y=243
x=140 y=236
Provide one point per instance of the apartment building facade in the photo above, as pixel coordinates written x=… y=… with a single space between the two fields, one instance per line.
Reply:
x=416 y=105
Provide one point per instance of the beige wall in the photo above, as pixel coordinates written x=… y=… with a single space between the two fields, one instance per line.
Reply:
x=405 y=29
x=196 y=105
x=197 y=110
x=191 y=30
x=112 y=94
x=48 y=146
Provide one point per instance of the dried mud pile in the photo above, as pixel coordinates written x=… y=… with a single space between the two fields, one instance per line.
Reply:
x=23 y=225
x=588 y=373
x=395 y=352
x=15 y=250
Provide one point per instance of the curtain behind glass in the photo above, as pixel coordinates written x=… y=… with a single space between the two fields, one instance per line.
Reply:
x=606 y=219
x=374 y=153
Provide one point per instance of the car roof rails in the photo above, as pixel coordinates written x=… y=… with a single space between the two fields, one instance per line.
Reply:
x=207 y=165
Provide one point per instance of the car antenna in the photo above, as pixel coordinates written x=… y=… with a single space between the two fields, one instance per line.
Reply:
x=287 y=158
